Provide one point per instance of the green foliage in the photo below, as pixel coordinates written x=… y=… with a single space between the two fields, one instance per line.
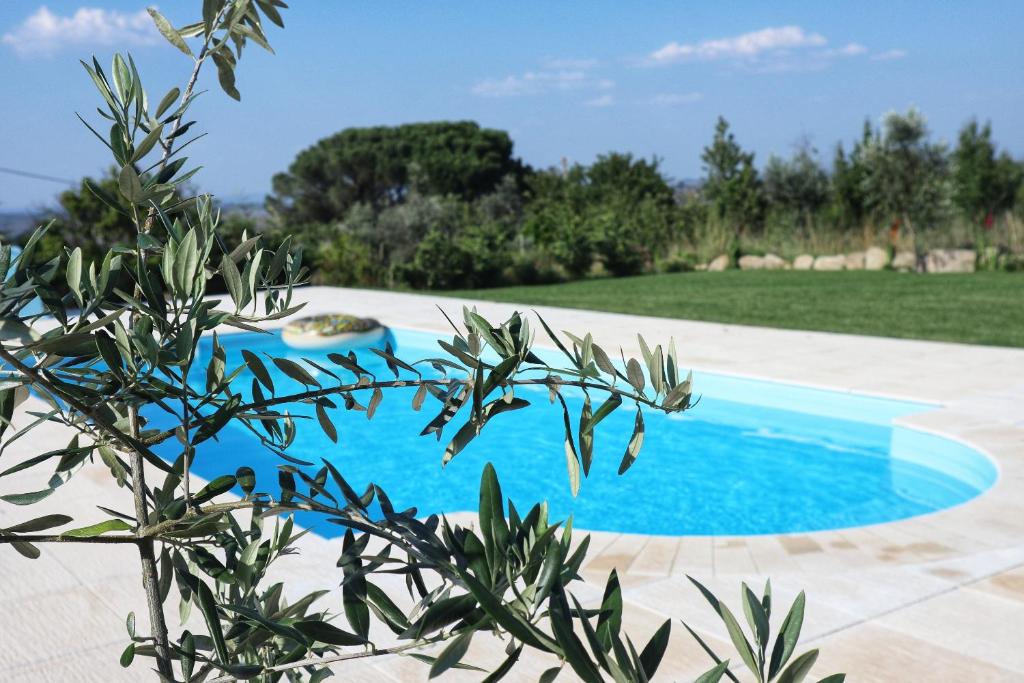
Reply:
x=342 y=259
x=906 y=175
x=533 y=268
x=440 y=262
x=732 y=185
x=849 y=178
x=990 y=309
x=381 y=166
x=555 y=218
x=122 y=344
x=622 y=178
x=798 y=185
x=617 y=216
x=619 y=209
x=983 y=183
x=86 y=221
x=766 y=659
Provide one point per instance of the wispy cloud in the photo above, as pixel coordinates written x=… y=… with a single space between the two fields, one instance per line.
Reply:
x=671 y=99
x=889 y=55
x=768 y=50
x=570 y=63
x=45 y=33
x=848 y=50
x=745 y=46
x=605 y=100
x=554 y=76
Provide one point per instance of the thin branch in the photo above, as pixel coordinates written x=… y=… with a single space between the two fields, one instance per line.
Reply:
x=44 y=538
x=395 y=384
x=400 y=383
x=127 y=441
x=331 y=659
x=168 y=143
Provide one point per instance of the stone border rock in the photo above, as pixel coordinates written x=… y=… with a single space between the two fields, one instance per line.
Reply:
x=872 y=258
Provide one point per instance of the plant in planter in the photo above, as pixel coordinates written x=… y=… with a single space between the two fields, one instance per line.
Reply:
x=117 y=344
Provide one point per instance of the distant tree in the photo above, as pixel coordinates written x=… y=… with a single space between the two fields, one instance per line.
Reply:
x=394 y=233
x=798 y=185
x=619 y=209
x=631 y=211
x=85 y=219
x=732 y=184
x=907 y=175
x=342 y=259
x=849 y=178
x=555 y=217
x=620 y=176
x=983 y=182
x=380 y=166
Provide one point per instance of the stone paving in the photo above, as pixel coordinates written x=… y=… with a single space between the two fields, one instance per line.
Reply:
x=933 y=598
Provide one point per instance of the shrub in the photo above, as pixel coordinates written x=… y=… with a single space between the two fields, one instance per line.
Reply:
x=681 y=262
x=486 y=247
x=439 y=263
x=343 y=260
x=621 y=250
x=533 y=268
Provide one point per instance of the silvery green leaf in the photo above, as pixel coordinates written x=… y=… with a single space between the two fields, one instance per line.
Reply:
x=168 y=32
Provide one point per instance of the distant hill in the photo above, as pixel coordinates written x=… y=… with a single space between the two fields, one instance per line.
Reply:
x=14 y=223
x=687 y=187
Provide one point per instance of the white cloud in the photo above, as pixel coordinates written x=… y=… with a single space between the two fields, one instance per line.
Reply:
x=605 y=100
x=570 y=63
x=848 y=50
x=745 y=46
x=44 y=33
x=889 y=55
x=669 y=99
x=555 y=76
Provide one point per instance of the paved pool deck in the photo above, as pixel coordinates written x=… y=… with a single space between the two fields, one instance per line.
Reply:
x=934 y=598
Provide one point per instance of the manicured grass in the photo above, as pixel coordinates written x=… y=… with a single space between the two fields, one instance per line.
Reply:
x=982 y=308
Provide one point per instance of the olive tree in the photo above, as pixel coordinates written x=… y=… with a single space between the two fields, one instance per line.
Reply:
x=907 y=174
x=117 y=344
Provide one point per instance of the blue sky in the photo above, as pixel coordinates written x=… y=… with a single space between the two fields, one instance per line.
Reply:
x=568 y=79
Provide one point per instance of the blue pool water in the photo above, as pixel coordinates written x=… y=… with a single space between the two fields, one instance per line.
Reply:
x=752 y=458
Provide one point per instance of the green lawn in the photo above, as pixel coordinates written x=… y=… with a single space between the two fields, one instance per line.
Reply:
x=983 y=308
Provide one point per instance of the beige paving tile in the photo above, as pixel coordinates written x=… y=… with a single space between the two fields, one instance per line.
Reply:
x=732 y=556
x=770 y=557
x=676 y=597
x=874 y=654
x=695 y=554
x=864 y=594
x=99 y=665
x=1008 y=585
x=796 y=545
x=657 y=557
x=618 y=555
x=74 y=620
x=969 y=568
x=969 y=622
x=684 y=659
x=826 y=552
x=23 y=579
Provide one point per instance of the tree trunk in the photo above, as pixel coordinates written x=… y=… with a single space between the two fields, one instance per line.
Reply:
x=147 y=557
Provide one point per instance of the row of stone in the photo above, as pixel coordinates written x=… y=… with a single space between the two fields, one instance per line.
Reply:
x=873 y=258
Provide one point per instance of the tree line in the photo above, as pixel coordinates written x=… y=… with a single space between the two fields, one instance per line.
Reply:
x=448 y=205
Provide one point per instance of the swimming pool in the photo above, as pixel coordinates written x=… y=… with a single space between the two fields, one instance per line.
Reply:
x=753 y=457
